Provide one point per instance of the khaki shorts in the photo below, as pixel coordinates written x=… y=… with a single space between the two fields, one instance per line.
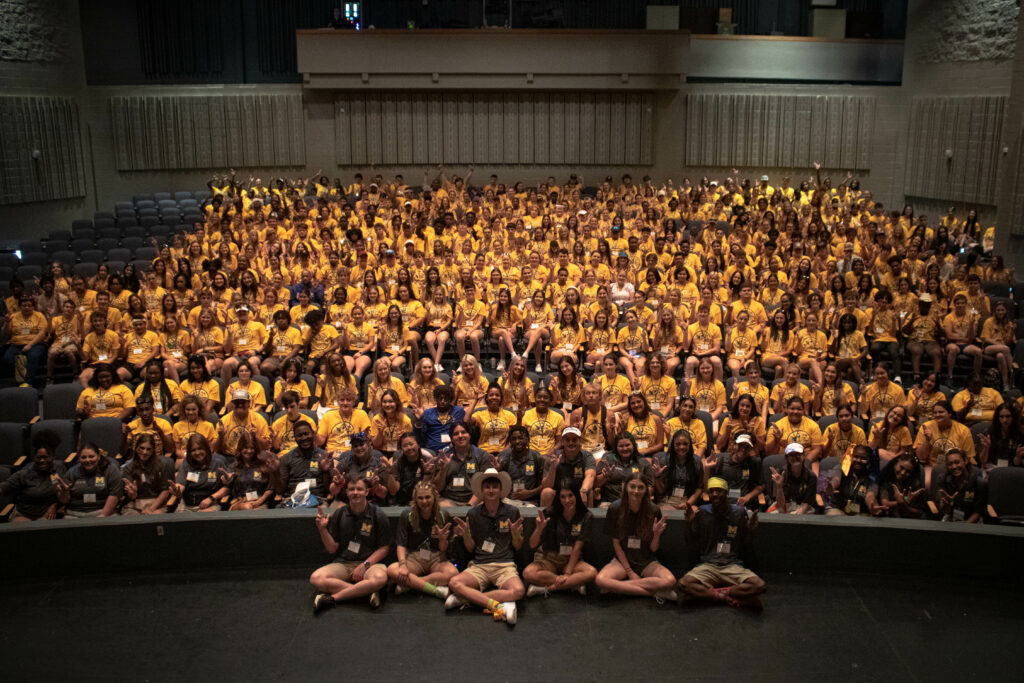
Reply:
x=342 y=570
x=492 y=573
x=552 y=562
x=423 y=565
x=135 y=507
x=713 y=575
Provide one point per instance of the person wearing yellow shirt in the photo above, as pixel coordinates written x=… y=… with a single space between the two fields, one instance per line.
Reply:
x=961 y=330
x=998 y=336
x=754 y=386
x=633 y=346
x=614 y=387
x=940 y=435
x=164 y=393
x=494 y=422
x=891 y=435
x=646 y=428
x=105 y=395
x=568 y=337
x=790 y=386
x=746 y=302
x=658 y=387
x=282 y=431
x=538 y=321
x=140 y=346
x=842 y=435
x=849 y=347
x=977 y=403
x=284 y=342
x=543 y=424
x=811 y=348
x=238 y=420
x=880 y=396
x=291 y=380
x=193 y=421
x=705 y=340
x=388 y=425
x=27 y=329
x=668 y=339
x=709 y=393
x=740 y=344
x=359 y=342
x=257 y=394
x=795 y=427
x=699 y=437
x=744 y=418
x=883 y=328
x=319 y=340
x=147 y=422
x=832 y=393
x=383 y=382
x=245 y=339
x=777 y=343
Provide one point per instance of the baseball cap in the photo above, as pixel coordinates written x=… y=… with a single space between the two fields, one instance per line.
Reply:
x=764 y=179
x=717 y=483
x=745 y=438
x=572 y=430
x=240 y=395
x=794 y=448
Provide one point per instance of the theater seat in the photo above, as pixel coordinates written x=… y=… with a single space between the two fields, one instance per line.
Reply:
x=19 y=404
x=65 y=431
x=1006 y=495
x=59 y=401
x=105 y=432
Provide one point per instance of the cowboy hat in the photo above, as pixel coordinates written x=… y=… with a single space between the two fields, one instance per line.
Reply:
x=477 y=482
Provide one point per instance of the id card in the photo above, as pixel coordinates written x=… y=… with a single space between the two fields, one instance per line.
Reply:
x=566 y=407
x=641 y=445
x=633 y=543
x=192 y=477
x=487 y=546
x=446 y=438
x=353 y=546
x=565 y=550
x=679 y=492
x=493 y=441
x=89 y=497
x=724 y=547
x=518 y=486
x=251 y=496
x=734 y=494
x=458 y=482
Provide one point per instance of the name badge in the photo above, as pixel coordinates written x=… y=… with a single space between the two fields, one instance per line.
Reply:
x=703 y=347
x=518 y=486
x=734 y=494
x=975 y=411
x=487 y=546
x=1002 y=463
x=641 y=445
x=566 y=407
x=310 y=483
x=633 y=543
x=446 y=438
x=958 y=515
x=853 y=508
x=565 y=550
x=137 y=351
x=879 y=330
x=102 y=357
x=158 y=406
x=493 y=441
x=666 y=349
x=458 y=482
x=89 y=497
x=679 y=492
x=724 y=547
x=655 y=405
x=101 y=405
x=879 y=413
x=739 y=353
x=243 y=341
x=142 y=478
x=192 y=477
x=353 y=546
x=251 y=496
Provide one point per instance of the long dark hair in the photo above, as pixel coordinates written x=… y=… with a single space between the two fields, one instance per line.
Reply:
x=636 y=524
x=165 y=391
x=694 y=468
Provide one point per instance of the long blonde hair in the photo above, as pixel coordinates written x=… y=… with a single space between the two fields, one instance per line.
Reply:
x=435 y=508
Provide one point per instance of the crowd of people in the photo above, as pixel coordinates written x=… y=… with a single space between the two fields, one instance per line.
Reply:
x=718 y=349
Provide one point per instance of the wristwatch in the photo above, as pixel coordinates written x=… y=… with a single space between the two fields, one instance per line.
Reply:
x=366 y=564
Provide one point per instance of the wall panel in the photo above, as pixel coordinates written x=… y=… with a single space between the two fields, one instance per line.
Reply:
x=178 y=132
x=970 y=128
x=514 y=128
x=778 y=130
x=50 y=126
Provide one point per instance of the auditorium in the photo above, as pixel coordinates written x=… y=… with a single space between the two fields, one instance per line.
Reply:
x=528 y=339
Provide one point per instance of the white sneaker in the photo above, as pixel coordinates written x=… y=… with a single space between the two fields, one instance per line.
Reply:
x=453 y=601
x=442 y=592
x=501 y=366
x=401 y=589
x=582 y=589
x=538 y=369
x=662 y=596
x=438 y=368
x=534 y=590
x=375 y=599
x=509 y=608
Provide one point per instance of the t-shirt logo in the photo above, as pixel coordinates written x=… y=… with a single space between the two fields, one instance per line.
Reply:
x=577 y=529
x=732 y=530
x=503 y=525
x=366 y=529
x=471 y=467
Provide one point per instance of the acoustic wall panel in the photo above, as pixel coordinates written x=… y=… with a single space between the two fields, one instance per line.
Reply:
x=495 y=128
x=724 y=129
x=953 y=147
x=50 y=126
x=219 y=131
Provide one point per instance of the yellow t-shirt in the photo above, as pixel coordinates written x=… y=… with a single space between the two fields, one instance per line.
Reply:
x=257 y=395
x=698 y=434
x=250 y=337
x=494 y=428
x=830 y=402
x=208 y=390
x=391 y=432
x=283 y=429
x=285 y=341
x=101 y=349
x=183 y=430
x=233 y=429
x=138 y=348
x=614 y=391
x=709 y=395
x=154 y=390
x=806 y=433
x=337 y=430
x=787 y=392
x=661 y=394
x=24 y=330
x=957 y=436
x=703 y=339
x=984 y=407
x=876 y=402
x=544 y=431
x=106 y=403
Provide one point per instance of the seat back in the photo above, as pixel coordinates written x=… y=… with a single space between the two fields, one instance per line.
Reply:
x=105 y=432
x=60 y=401
x=15 y=436
x=20 y=404
x=65 y=431
x=1006 y=492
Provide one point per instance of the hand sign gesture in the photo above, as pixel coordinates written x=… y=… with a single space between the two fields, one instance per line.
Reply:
x=442 y=532
x=657 y=469
x=461 y=526
x=660 y=525
x=226 y=477
x=776 y=477
x=175 y=488
x=986 y=441
x=709 y=461
x=131 y=491
x=542 y=521
x=517 y=528
x=321 y=518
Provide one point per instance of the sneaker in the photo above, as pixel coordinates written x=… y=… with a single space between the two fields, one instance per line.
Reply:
x=533 y=591
x=400 y=589
x=453 y=601
x=442 y=592
x=582 y=589
x=898 y=380
x=538 y=369
x=662 y=596
x=321 y=602
x=510 y=614
x=375 y=599
x=501 y=366
x=438 y=368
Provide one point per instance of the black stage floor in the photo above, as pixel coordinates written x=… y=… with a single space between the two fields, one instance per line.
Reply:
x=229 y=626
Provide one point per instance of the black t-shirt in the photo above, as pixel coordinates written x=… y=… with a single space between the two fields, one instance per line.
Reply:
x=638 y=550
x=359 y=535
x=33 y=491
x=297 y=467
x=969 y=496
x=200 y=482
x=249 y=483
x=150 y=481
x=526 y=470
x=560 y=535
x=457 y=479
x=575 y=470
x=743 y=476
x=802 y=490
x=721 y=537
x=408 y=475
x=851 y=497
x=682 y=479
x=424 y=538
x=90 y=490
x=492 y=536
x=617 y=472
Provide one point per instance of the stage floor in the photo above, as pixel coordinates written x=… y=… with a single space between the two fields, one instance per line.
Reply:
x=248 y=624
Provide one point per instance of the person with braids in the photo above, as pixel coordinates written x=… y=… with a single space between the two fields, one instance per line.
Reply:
x=165 y=393
x=421 y=545
x=636 y=526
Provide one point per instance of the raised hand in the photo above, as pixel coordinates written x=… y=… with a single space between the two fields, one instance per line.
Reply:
x=226 y=477
x=517 y=528
x=131 y=491
x=175 y=488
x=542 y=521
x=776 y=477
x=321 y=518
x=461 y=526
x=659 y=526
